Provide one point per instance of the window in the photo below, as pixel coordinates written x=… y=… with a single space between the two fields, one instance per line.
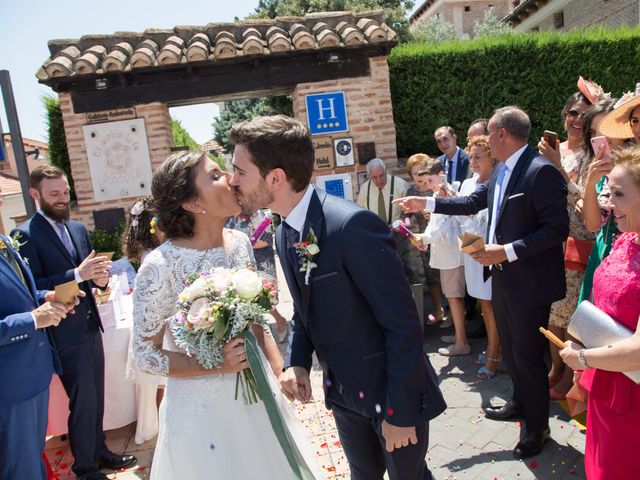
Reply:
x=467 y=8
x=558 y=20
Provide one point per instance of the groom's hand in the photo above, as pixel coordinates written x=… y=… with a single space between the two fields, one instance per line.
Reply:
x=295 y=384
x=398 y=437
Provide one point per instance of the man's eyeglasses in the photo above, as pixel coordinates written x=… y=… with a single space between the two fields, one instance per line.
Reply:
x=575 y=114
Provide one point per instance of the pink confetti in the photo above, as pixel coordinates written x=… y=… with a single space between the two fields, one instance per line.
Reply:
x=533 y=464
x=361 y=395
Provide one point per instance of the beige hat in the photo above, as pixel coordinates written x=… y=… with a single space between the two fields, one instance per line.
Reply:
x=617 y=122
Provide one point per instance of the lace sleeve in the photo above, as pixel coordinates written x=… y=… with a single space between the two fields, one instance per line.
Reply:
x=153 y=302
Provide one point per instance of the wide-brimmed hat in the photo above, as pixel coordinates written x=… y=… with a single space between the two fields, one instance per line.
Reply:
x=616 y=124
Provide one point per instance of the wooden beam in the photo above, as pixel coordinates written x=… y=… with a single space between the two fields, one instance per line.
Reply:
x=207 y=81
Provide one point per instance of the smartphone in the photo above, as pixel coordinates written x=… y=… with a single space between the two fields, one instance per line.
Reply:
x=443 y=181
x=551 y=138
x=109 y=255
x=599 y=142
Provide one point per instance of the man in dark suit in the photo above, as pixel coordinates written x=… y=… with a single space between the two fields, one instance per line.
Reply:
x=59 y=250
x=352 y=305
x=453 y=158
x=27 y=361
x=528 y=222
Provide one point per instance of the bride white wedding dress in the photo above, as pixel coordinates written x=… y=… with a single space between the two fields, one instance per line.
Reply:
x=204 y=431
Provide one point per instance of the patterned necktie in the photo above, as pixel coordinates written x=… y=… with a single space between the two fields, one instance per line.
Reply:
x=13 y=263
x=64 y=237
x=292 y=236
x=449 y=171
x=381 y=210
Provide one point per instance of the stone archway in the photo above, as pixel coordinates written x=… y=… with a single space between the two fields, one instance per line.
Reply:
x=115 y=91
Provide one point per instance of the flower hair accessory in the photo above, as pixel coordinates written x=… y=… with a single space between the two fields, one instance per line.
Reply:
x=152 y=224
x=135 y=212
x=306 y=251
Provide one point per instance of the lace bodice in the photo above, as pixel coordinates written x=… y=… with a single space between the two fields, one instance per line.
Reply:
x=159 y=281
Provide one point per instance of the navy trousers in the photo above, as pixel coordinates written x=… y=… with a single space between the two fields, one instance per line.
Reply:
x=364 y=445
x=23 y=429
x=83 y=380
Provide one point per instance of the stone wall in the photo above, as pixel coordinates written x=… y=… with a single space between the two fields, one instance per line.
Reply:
x=159 y=138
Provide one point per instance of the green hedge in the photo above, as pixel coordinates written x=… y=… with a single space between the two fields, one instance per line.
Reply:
x=456 y=82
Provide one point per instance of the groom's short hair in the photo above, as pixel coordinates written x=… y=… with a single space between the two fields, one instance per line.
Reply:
x=278 y=141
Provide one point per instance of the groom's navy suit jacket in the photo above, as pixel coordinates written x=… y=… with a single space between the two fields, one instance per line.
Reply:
x=358 y=315
x=27 y=357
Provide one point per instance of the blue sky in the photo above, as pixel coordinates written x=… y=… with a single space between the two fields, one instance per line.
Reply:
x=27 y=25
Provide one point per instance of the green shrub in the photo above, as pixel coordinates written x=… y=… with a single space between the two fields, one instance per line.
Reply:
x=456 y=82
x=104 y=241
x=58 y=153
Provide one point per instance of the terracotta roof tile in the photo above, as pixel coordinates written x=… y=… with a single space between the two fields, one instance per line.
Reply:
x=9 y=185
x=122 y=51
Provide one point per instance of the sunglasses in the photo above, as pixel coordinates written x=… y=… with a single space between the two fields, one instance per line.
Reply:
x=575 y=114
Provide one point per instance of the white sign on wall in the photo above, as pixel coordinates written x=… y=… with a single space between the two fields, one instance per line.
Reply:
x=337 y=184
x=118 y=159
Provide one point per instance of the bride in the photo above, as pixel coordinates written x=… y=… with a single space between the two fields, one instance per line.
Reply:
x=204 y=431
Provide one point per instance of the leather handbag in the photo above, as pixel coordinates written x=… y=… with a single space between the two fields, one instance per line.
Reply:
x=576 y=254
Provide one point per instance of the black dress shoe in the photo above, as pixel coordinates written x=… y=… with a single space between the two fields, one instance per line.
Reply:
x=511 y=409
x=531 y=444
x=116 y=462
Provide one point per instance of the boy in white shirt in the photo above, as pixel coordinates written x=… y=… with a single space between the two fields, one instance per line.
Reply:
x=441 y=234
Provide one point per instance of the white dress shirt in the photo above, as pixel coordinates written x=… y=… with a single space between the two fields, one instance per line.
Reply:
x=298 y=215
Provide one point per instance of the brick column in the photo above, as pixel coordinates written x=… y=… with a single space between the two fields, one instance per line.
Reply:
x=369 y=112
x=159 y=138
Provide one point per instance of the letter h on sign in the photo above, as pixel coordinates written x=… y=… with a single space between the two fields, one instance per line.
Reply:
x=326 y=113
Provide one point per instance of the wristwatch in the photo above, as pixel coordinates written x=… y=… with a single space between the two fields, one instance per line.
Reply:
x=581 y=359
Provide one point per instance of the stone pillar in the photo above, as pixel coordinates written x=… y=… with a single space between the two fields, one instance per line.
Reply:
x=369 y=112
x=159 y=139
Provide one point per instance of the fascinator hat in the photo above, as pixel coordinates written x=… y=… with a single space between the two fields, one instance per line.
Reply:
x=617 y=123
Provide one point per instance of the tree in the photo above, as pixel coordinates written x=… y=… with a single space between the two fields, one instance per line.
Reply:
x=433 y=30
x=490 y=26
x=58 y=152
x=395 y=11
x=238 y=110
x=182 y=138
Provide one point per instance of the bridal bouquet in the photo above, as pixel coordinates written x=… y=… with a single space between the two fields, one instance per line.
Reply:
x=217 y=307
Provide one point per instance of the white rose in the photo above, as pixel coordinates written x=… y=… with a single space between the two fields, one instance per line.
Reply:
x=221 y=279
x=313 y=249
x=198 y=288
x=247 y=283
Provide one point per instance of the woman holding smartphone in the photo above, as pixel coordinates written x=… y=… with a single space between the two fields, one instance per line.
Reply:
x=570 y=159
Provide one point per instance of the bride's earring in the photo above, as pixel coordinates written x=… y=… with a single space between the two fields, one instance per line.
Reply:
x=203 y=211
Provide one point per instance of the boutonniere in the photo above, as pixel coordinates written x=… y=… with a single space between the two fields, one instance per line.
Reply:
x=306 y=251
x=14 y=242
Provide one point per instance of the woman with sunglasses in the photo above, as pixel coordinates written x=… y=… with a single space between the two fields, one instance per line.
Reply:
x=570 y=159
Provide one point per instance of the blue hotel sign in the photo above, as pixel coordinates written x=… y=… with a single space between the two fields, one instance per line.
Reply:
x=327 y=113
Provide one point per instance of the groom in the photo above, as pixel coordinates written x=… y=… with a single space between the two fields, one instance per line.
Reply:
x=352 y=305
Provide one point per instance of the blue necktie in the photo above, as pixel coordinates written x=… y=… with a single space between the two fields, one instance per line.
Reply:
x=499 y=180
x=66 y=240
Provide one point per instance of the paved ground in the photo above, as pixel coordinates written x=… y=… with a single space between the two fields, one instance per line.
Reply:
x=463 y=444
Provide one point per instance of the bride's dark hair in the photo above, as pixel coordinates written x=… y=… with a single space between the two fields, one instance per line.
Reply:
x=172 y=185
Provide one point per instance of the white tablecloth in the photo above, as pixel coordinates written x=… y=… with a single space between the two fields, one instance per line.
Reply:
x=120 y=394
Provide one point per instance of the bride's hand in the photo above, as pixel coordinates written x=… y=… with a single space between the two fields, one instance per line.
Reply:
x=235 y=357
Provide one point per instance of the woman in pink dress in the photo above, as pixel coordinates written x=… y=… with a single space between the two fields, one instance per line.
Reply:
x=613 y=412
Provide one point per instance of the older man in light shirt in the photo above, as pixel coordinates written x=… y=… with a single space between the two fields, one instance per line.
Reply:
x=377 y=193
